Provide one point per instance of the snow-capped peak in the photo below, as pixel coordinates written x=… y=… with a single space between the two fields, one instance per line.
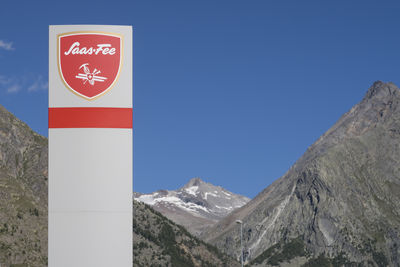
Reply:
x=196 y=201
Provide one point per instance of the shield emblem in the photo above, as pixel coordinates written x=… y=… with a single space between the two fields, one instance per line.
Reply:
x=89 y=62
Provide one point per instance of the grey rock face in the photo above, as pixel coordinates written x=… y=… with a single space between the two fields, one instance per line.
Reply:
x=197 y=205
x=341 y=198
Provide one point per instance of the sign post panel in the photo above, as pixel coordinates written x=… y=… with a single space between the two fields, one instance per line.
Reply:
x=90 y=146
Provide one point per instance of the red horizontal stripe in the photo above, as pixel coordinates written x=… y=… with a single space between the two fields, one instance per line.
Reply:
x=90 y=118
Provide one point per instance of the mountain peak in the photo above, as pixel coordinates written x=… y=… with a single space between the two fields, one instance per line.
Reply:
x=380 y=107
x=196 y=181
x=381 y=90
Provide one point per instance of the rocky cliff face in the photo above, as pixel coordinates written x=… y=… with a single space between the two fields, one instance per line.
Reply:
x=338 y=204
x=23 y=194
x=197 y=205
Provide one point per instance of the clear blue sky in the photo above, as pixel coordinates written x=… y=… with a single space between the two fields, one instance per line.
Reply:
x=230 y=91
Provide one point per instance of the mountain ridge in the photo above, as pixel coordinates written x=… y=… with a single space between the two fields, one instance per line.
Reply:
x=350 y=170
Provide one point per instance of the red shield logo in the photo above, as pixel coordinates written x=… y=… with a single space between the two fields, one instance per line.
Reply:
x=89 y=62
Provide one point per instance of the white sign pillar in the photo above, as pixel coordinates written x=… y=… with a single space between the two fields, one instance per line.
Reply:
x=90 y=146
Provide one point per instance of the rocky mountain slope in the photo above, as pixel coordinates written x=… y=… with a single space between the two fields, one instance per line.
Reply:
x=23 y=194
x=157 y=241
x=197 y=205
x=338 y=205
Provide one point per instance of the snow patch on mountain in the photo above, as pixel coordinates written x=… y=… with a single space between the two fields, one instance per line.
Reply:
x=192 y=190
